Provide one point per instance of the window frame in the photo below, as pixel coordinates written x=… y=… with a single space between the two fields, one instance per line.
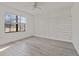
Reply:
x=16 y=24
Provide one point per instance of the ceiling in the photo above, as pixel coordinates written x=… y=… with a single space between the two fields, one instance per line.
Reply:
x=44 y=6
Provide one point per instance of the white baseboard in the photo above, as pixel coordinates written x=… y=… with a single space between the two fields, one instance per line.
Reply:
x=16 y=40
x=53 y=38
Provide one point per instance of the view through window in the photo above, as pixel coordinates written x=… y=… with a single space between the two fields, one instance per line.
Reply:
x=15 y=23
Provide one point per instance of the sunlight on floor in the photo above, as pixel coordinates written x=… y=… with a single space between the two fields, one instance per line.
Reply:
x=2 y=49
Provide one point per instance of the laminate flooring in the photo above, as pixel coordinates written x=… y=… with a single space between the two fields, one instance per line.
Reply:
x=37 y=46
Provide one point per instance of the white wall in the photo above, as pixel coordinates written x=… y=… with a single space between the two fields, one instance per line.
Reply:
x=8 y=37
x=75 y=25
x=55 y=24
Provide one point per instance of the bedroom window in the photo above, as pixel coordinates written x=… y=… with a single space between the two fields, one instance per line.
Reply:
x=14 y=23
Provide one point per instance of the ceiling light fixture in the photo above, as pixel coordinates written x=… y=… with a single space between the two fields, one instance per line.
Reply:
x=36 y=5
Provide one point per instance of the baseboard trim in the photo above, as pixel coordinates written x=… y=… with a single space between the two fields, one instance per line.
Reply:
x=53 y=38
x=12 y=42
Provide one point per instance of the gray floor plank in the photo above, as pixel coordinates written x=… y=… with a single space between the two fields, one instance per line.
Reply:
x=36 y=46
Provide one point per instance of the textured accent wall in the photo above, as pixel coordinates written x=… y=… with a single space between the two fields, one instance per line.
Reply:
x=55 y=24
x=64 y=25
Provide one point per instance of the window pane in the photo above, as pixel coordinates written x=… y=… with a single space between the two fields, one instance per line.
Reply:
x=7 y=28
x=23 y=20
x=7 y=22
x=10 y=21
x=23 y=23
x=19 y=23
x=13 y=23
x=7 y=18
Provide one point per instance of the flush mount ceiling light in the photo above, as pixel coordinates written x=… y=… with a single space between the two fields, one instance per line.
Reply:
x=35 y=5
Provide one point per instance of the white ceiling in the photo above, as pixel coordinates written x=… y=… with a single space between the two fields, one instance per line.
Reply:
x=44 y=6
x=29 y=4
